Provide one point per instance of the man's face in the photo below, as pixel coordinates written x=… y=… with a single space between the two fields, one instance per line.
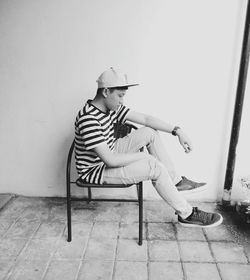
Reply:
x=114 y=98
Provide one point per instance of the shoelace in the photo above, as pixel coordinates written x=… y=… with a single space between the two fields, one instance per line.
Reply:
x=202 y=216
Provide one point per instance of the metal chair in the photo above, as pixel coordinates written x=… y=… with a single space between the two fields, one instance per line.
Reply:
x=121 y=130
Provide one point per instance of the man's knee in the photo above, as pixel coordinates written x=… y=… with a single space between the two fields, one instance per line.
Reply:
x=156 y=168
x=150 y=134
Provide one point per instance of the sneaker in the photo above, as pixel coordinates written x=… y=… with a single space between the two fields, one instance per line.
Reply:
x=201 y=219
x=186 y=185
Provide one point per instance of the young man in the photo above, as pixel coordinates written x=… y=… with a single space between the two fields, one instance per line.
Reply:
x=100 y=158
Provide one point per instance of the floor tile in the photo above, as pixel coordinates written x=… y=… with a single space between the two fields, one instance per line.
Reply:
x=70 y=250
x=220 y=233
x=4 y=226
x=22 y=229
x=29 y=270
x=34 y=213
x=5 y=267
x=201 y=271
x=11 y=212
x=102 y=249
x=79 y=230
x=103 y=229
x=129 y=250
x=82 y=212
x=159 y=211
x=108 y=212
x=57 y=214
x=161 y=231
x=228 y=252
x=63 y=270
x=96 y=270
x=131 y=231
x=130 y=213
x=195 y=251
x=130 y=270
x=247 y=250
x=165 y=271
x=162 y=250
x=4 y=199
x=185 y=233
x=234 y=271
x=39 y=249
x=49 y=230
x=11 y=248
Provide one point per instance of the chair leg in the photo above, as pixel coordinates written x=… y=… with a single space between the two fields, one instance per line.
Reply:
x=69 y=213
x=89 y=195
x=137 y=188
x=140 y=198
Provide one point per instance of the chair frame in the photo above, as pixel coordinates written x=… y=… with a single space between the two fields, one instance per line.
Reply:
x=121 y=130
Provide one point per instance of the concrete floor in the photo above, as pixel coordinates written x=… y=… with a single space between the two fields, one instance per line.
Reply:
x=33 y=243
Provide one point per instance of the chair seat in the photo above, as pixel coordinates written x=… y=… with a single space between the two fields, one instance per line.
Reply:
x=82 y=184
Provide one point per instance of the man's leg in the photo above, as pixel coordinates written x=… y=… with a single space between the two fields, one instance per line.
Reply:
x=150 y=169
x=149 y=138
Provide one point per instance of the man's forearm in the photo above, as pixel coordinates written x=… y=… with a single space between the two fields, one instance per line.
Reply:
x=158 y=124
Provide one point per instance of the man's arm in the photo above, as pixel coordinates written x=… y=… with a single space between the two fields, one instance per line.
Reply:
x=157 y=124
x=117 y=159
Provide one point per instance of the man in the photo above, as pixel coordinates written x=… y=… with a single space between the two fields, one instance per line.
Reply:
x=100 y=158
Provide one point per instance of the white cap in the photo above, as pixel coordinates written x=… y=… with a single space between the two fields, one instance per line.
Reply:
x=112 y=78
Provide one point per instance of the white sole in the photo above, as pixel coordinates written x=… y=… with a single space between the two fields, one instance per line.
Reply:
x=203 y=226
x=197 y=190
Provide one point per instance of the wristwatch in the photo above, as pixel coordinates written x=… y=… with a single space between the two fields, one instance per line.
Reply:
x=174 y=131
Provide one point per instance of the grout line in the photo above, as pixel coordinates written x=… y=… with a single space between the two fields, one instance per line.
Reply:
x=211 y=251
x=13 y=223
x=9 y=201
x=180 y=252
x=246 y=255
x=116 y=249
x=52 y=255
x=84 y=249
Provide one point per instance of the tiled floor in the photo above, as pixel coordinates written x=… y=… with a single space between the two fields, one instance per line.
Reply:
x=33 y=243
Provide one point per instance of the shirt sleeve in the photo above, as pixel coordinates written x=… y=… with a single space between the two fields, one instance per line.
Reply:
x=122 y=113
x=91 y=132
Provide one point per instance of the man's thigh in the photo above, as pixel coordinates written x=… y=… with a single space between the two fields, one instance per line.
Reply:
x=134 y=141
x=133 y=173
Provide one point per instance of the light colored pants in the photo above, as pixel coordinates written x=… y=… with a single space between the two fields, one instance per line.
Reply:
x=157 y=167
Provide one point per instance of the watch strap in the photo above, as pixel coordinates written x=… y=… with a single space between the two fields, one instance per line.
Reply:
x=174 y=131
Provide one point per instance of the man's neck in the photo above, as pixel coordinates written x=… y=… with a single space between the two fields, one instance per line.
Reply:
x=99 y=104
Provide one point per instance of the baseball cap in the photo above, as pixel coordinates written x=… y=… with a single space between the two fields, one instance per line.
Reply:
x=113 y=78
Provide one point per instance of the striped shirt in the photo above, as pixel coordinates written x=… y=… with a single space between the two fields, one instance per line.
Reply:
x=92 y=128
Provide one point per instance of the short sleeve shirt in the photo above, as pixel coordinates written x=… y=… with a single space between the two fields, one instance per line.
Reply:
x=92 y=128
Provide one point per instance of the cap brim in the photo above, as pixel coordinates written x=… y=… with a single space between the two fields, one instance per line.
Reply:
x=128 y=85
x=132 y=85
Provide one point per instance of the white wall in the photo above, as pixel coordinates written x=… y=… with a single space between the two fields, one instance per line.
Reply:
x=185 y=55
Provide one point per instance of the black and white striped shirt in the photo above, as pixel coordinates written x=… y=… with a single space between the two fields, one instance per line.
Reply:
x=92 y=128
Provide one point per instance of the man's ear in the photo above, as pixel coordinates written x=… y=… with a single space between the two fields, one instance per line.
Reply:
x=105 y=92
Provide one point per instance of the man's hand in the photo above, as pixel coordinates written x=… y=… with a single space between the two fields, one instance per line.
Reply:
x=184 y=141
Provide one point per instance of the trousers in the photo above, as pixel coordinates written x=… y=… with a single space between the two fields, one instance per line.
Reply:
x=157 y=167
